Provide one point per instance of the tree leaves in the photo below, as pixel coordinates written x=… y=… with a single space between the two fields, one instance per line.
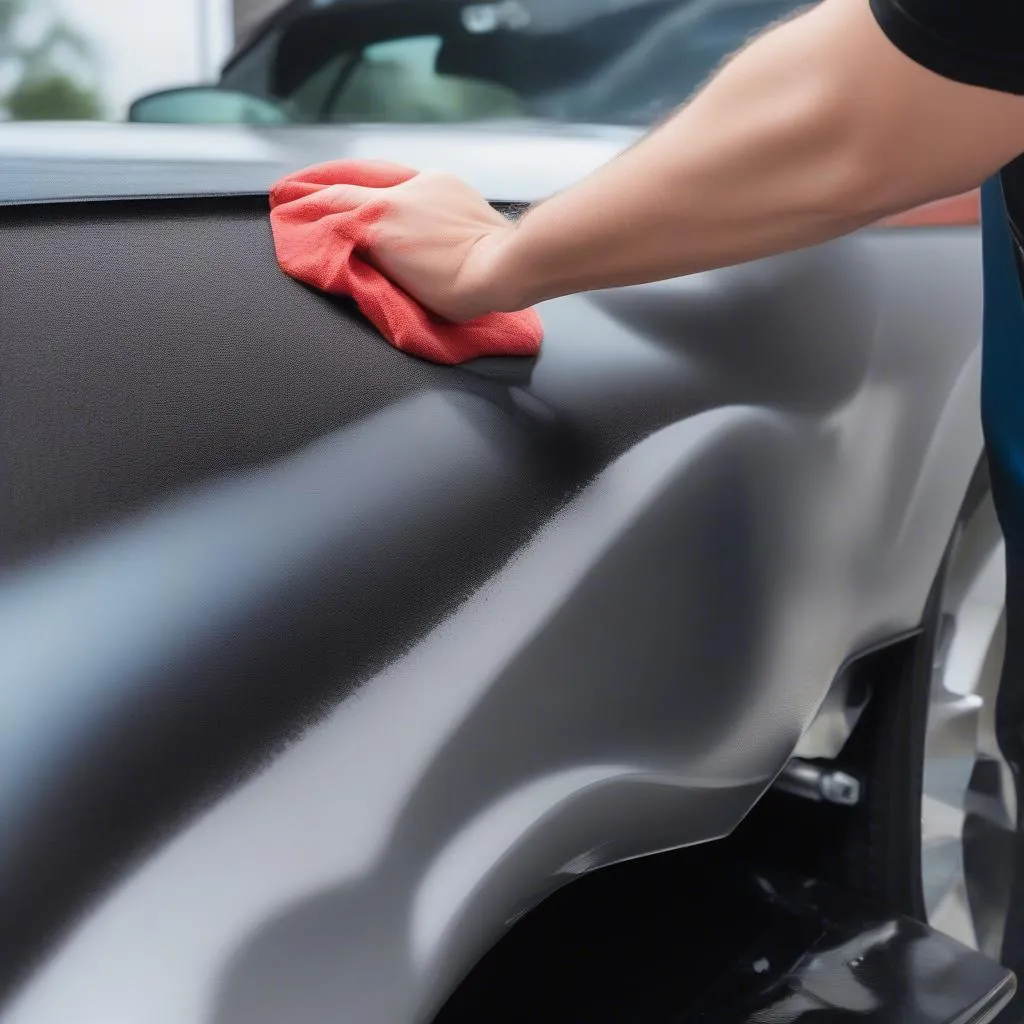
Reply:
x=53 y=70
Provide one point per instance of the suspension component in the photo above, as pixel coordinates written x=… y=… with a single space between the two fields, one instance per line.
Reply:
x=813 y=782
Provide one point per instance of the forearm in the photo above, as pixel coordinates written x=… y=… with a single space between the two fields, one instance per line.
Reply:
x=819 y=127
x=784 y=148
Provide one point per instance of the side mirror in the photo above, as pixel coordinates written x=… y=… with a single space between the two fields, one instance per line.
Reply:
x=206 y=104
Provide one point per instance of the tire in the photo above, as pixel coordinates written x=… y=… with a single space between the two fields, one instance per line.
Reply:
x=968 y=808
x=932 y=835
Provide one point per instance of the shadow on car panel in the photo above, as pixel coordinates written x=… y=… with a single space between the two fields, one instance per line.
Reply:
x=707 y=935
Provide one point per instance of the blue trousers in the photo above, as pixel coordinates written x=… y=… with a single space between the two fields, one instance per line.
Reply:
x=1003 y=421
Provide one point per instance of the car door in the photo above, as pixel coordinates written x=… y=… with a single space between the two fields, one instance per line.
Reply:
x=323 y=664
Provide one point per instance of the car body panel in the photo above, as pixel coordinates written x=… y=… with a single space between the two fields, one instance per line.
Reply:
x=79 y=160
x=366 y=656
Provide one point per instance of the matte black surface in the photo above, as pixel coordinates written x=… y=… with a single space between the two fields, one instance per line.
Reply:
x=147 y=348
x=124 y=328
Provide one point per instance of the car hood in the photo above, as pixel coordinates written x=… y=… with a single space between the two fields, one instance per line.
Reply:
x=506 y=161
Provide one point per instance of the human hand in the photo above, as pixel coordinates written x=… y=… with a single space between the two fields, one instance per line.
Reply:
x=437 y=239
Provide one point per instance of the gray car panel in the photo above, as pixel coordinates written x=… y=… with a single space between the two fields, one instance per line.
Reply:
x=503 y=160
x=597 y=604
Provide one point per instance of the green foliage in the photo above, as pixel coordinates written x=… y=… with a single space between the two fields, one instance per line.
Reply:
x=45 y=87
x=55 y=97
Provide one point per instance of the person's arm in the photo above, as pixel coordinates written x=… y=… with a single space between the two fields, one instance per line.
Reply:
x=818 y=127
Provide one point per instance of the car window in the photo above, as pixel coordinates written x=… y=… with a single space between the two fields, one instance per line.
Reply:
x=612 y=62
x=397 y=80
x=336 y=61
x=663 y=66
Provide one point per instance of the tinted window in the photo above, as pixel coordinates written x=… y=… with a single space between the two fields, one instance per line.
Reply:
x=606 y=61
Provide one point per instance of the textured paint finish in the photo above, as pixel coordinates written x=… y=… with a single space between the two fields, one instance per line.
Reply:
x=356 y=701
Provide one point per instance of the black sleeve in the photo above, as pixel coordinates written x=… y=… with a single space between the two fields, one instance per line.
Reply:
x=979 y=42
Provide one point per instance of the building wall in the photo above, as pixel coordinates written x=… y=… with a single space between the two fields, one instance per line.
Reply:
x=142 y=47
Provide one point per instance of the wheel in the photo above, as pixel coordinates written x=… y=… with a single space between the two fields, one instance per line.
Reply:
x=933 y=831
x=968 y=807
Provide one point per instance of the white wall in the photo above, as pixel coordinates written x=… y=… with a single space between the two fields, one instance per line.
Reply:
x=152 y=44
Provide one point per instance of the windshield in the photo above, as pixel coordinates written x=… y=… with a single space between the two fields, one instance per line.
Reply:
x=627 y=62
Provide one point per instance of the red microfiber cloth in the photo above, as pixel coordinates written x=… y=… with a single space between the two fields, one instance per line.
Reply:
x=318 y=242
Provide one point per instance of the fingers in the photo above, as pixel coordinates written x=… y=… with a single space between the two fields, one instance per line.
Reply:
x=327 y=200
x=343 y=198
x=344 y=177
x=371 y=173
x=287 y=190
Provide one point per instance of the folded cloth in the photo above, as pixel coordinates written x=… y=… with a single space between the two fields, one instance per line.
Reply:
x=318 y=241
